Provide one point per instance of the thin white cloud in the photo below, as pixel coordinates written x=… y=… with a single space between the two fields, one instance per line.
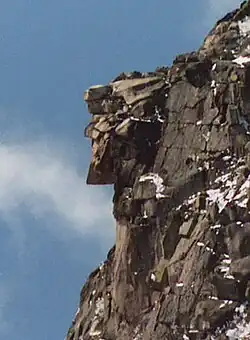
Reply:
x=45 y=182
x=39 y=178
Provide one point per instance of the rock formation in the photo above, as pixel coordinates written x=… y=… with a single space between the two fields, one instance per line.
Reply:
x=176 y=145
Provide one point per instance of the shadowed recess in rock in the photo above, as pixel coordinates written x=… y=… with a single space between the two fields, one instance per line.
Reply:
x=175 y=143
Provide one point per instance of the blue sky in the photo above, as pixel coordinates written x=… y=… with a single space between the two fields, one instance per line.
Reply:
x=53 y=228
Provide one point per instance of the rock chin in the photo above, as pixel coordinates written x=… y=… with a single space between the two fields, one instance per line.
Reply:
x=176 y=145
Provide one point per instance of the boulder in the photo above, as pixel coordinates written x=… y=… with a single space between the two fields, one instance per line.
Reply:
x=97 y=92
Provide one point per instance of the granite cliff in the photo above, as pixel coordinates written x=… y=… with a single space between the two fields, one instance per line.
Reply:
x=175 y=143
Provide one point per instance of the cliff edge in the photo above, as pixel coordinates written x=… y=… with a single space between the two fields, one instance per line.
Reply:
x=176 y=145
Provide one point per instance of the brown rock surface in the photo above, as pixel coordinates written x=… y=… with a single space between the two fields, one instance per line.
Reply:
x=175 y=144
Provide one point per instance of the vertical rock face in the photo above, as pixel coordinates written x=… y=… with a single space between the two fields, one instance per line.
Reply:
x=176 y=145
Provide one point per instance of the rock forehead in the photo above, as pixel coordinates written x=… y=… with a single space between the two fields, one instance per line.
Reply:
x=97 y=92
x=133 y=90
x=126 y=107
x=175 y=144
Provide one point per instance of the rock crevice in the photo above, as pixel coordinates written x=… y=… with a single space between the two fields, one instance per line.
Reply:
x=175 y=143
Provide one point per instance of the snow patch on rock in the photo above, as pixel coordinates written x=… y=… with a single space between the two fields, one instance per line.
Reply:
x=240 y=328
x=241 y=61
x=244 y=26
x=99 y=315
x=158 y=182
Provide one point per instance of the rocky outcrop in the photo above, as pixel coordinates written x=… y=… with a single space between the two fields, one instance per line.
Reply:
x=175 y=143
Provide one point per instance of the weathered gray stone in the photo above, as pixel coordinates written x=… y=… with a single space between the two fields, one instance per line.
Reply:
x=209 y=311
x=92 y=133
x=97 y=92
x=198 y=74
x=103 y=126
x=186 y=58
x=150 y=208
x=219 y=139
x=133 y=90
x=96 y=107
x=186 y=126
x=200 y=202
x=123 y=128
x=241 y=268
x=177 y=103
x=111 y=106
x=213 y=212
x=232 y=115
x=144 y=190
x=187 y=228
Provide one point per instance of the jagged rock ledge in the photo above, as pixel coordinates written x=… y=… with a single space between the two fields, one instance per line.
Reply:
x=176 y=145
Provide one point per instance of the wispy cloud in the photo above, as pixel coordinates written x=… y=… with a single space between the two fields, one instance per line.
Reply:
x=41 y=178
x=44 y=181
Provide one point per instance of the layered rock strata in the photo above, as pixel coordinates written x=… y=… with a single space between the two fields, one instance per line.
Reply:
x=175 y=143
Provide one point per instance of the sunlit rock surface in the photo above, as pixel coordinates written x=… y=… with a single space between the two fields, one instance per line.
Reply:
x=175 y=143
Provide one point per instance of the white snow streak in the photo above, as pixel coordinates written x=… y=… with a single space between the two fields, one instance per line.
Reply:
x=157 y=180
x=241 y=61
x=244 y=26
x=240 y=328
